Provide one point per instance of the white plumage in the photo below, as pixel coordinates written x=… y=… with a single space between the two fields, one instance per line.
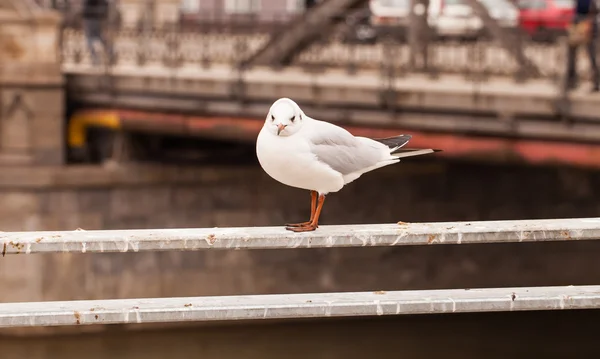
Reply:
x=306 y=153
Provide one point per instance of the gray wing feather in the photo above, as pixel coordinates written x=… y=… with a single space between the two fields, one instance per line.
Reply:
x=344 y=152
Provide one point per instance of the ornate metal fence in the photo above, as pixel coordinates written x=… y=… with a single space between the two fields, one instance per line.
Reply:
x=211 y=42
x=163 y=47
x=214 y=43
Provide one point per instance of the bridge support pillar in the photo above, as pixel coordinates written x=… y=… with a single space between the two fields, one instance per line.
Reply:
x=31 y=87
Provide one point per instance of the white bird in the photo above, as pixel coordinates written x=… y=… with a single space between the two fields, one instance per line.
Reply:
x=318 y=156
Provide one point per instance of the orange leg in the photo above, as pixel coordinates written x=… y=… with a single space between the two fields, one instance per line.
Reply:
x=315 y=221
x=313 y=208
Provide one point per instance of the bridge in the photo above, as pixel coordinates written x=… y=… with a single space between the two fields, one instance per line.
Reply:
x=187 y=82
x=216 y=82
x=479 y=99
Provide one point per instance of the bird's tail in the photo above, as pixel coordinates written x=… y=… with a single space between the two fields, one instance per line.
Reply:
x=396 y=143
x=412 y=152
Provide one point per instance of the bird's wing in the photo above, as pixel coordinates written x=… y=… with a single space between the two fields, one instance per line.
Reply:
x=341 y=151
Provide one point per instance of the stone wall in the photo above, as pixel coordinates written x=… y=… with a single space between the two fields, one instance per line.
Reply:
x=31 y=87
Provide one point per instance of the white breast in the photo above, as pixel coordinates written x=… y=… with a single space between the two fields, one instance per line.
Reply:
x=288 y=160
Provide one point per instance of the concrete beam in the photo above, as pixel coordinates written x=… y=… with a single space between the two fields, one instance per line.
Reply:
x=378 y=235
x=363 y=90
x=540 y=142
x=290 y=306
x=150 y=108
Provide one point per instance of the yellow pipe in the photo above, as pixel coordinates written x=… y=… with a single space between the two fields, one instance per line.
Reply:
x=80 y=121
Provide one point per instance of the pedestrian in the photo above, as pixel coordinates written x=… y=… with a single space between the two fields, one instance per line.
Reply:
x=95 y=12
x=583 y=31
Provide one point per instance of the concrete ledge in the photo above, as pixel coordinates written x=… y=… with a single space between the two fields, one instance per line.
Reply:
x=401 y=234
x=285 y=306
x=331 y=88
x=90 y=176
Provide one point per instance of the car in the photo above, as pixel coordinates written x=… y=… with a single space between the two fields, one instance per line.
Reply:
x=456 y=18
x=390 y=17
x=446 y=18
x=504 y=12
x=545 y=19
x=453 y=18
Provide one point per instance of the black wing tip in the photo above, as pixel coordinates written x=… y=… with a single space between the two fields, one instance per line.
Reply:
x=407 y=137
x=397 y=136
x=394 y=141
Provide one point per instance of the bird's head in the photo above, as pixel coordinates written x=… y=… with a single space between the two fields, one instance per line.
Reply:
x=284 y=118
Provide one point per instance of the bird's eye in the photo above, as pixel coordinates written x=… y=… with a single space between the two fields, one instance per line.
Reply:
x=293 y=118
x=272 y=118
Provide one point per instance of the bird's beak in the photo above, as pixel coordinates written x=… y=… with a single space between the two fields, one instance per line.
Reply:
x=280 y=128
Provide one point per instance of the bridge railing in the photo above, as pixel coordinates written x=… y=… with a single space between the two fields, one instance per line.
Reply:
x=312 y=305
x=231 y=42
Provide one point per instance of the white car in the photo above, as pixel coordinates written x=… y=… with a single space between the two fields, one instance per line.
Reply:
x=504 y=12
x=390 y=15
x=455 y=18
x=447 y=18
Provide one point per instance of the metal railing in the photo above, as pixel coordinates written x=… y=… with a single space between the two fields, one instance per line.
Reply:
x=314 y=305
x=212 y=40
x=399 y=234
x=295 y=306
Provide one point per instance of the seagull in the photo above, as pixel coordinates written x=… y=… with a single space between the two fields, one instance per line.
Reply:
x=302 y=152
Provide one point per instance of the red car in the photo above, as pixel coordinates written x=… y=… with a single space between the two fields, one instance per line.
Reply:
x=545 y=18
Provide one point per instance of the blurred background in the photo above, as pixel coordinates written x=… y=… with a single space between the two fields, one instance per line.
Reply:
x=131 y=114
